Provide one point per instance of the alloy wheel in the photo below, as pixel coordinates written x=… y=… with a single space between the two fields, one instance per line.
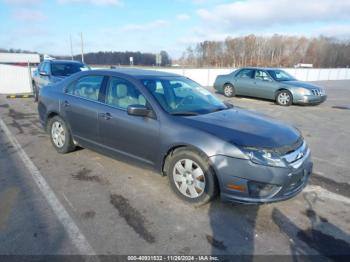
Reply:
x=189 y=178
x=58 y=134
x=283 y=98
x=228 y=91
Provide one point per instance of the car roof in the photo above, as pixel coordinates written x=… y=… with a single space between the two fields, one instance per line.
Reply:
x=63 y=61
x=261 y=68
x=139 y=73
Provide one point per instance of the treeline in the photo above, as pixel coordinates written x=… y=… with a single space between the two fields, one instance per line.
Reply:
x=122 y=58
x=13 y=50
x=277 y=50
x=110 y=58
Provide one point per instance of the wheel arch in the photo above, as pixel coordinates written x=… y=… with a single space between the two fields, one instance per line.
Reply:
x=284 y=89
x=173 y=148
x=228 y=83
x=52 y=114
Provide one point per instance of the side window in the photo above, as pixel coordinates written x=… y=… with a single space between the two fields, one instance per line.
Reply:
x=261 y=75
x=87 y=87
x=121 y=93
x=40 y=66
x=246 y=73
x=46 y=67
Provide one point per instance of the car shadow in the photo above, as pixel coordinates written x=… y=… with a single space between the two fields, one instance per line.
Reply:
x=233 y=228
x=321 y=237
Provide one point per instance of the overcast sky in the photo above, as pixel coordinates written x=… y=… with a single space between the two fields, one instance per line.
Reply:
x=151 y=25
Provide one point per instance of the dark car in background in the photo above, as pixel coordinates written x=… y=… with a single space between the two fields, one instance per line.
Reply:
x=52 y=71
x=171 y=123
x=269 y=83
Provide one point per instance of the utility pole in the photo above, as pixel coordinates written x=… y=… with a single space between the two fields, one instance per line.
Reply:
x=71 y=46
x=82 y=47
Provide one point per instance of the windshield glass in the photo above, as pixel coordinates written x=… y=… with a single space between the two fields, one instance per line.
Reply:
x=182 y=96
x=67 y=69
x=280 y=75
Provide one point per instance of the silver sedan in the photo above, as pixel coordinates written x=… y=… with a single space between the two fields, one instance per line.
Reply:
x=269 y=83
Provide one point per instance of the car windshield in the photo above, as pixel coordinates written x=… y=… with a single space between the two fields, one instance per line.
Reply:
x=67 y=69
x=280 y=75
x=182 y=96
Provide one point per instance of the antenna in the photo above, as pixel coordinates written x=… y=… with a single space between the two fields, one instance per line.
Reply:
x=71 y=46
x=82 y=47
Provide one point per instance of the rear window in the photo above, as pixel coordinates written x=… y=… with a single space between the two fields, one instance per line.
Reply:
x=66 y=69
x=246 y=73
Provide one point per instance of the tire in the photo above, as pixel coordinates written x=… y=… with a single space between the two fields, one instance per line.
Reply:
x=35 y=93
x=229 y=90
x=60 y=135
x=191 y=177
x=284 y=98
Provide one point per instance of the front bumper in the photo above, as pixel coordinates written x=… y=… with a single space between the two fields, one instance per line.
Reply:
x=235 y=174
x=310 y=99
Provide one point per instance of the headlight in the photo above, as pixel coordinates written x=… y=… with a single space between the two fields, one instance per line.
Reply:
x=304 y=91
x=264 y=157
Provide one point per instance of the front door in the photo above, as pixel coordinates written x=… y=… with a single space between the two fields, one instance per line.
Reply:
x=134 y=136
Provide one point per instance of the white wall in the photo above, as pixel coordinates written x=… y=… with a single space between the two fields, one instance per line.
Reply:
x=206 y=77
x=14 y=80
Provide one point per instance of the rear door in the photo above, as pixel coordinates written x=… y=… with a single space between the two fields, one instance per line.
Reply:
x=244 y=82
x=264 y=85
x=81 y=108
x=120 y=132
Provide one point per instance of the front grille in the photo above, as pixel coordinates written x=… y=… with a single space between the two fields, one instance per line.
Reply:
x=317 y=92
x=290 y=148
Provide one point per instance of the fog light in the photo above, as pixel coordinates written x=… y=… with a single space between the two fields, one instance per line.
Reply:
x=262 y=190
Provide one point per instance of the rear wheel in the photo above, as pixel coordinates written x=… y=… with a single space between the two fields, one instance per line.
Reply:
x=229 y=90
x=284 y=98
x=191 y=177
x=60 y=135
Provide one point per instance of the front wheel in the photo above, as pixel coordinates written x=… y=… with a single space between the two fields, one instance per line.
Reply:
x=35 y=92
x=60 y=135
x=191 y=177
x=284 y=98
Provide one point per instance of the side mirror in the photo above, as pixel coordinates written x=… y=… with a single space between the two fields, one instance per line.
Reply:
x=140 y=110
x=43 y=73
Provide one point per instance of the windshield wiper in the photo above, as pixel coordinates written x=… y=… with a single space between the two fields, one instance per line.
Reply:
x=184 y=113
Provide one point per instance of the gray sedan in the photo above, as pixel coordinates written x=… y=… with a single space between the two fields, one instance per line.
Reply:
x=167 y=121
x=269 y=83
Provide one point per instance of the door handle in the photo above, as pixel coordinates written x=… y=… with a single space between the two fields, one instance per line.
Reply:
x=106 y=116
x=66 y=104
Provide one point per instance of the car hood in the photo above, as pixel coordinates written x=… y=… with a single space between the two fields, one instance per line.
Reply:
x=246 y=129
x=301 y=84
x=56 y=79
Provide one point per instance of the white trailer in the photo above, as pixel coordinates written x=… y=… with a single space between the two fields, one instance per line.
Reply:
x=19 y=58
